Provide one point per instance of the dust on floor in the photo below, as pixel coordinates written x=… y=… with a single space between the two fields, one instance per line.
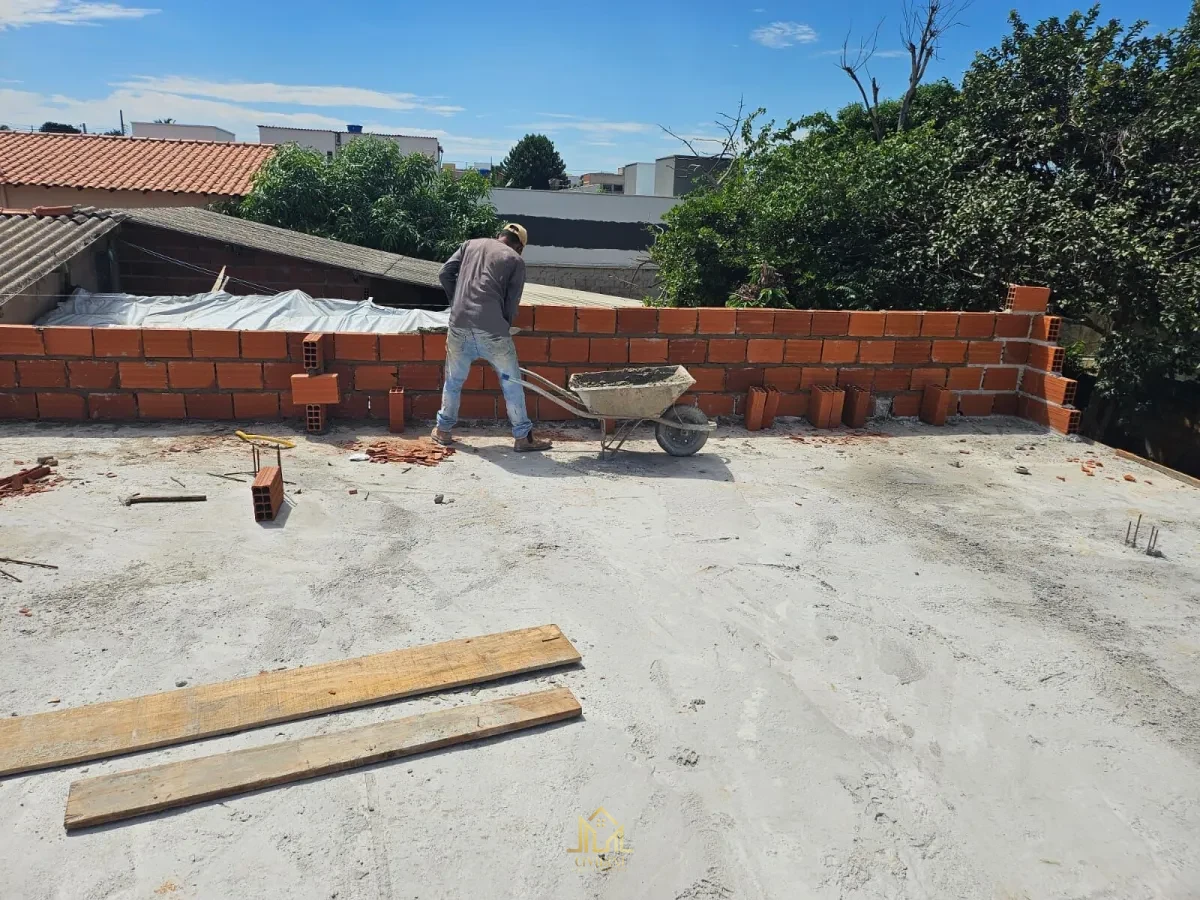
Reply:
x=890 y=666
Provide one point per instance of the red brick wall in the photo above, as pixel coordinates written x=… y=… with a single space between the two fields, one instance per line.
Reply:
x=988 y=360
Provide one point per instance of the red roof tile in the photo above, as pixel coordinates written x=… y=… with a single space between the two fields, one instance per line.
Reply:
x=128 y=163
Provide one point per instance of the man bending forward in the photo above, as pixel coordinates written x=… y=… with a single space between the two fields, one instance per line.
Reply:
x=483 y=281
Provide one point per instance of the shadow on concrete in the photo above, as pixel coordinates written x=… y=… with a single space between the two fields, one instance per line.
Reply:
x=578 y=459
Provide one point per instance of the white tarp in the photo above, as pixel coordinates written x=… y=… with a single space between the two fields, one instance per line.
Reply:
x=289 y=311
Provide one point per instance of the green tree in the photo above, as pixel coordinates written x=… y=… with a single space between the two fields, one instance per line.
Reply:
x=534 y=163
x=58 y=128
x=372 y=195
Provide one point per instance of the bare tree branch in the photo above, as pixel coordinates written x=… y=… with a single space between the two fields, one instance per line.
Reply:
x=730 y=145
x=925 y=23
x=858 y=63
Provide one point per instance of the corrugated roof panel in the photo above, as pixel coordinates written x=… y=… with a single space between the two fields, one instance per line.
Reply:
x=32 y=246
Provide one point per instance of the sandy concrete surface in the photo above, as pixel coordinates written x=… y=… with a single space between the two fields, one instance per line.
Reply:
x=869 y=667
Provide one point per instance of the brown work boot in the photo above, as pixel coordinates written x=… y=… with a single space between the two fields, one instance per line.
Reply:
x=445 y=438
x=529 y=442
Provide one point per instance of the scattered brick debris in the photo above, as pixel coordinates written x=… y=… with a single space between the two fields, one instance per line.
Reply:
x=858 y=437
x=25 y=611
x=1086 y=471
x=200 y=443
x=29 y=481
x=353 y=491
x=1060 y=477
x=421 y=452
x=1130 y=478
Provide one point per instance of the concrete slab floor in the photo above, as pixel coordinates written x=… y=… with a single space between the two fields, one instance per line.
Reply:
x=846 y=667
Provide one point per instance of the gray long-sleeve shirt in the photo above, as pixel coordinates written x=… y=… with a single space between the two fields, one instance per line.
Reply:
x=483 y=280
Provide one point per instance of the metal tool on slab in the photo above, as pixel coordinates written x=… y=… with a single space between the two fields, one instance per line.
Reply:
x=175 y=498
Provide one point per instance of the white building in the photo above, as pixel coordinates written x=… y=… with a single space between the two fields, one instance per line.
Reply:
x=331 y=142
x=639 y=179
x=172 y=131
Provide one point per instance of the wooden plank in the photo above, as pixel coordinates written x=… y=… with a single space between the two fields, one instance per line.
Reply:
x=110 y=798
x=1159 y=467
x=175 y=717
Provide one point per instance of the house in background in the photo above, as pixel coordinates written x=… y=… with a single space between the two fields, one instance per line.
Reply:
x=602 y=182
x=331 y=142
x=127 y=172
x=675 y=175
x=175 y=132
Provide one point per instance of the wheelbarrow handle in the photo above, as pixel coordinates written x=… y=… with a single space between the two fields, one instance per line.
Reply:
x=555 y=394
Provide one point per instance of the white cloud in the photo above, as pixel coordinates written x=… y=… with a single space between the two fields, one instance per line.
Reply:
x=781 y=35
x=292 y=94
x=594 y=127
x=878 y=54
x=20 y=13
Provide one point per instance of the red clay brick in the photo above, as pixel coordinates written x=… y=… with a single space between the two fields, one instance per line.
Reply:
x=90 y=373
x=311 y=389
x=982 y=353
x=111 y=406
x=309 y=350
x=532 y=349
x=373 y=378
x=247 y=376
x=785 y=378
x=35 y=373
x=857 y=407
x=888 y=380
x=568 y=349
x=965 y=379
x=1027 y=298
x=209 y=406
x=802 y=351
x=400 y=348
x=810 y=376
x=793 y=322
x=355 y=405
x=939 y=324
x=756 y=404
x=67 y=340
x=1053 y=388
x=18 y=406
x=214 y=344
x=264 y=345
x=477 y=406
x=596 y=321
x=716 y=404
x=855 y=376
x=1048 y=359
x=476 y=378
x=727 y=349
x=1012 y=325
x=553 y=374
x=1016 y=353
x=150 y=375
x=191 y=375
x=839 y=352
x=877 y=352
x=277 y=376
x=361 y=347
x=21 y=340
x=755 y=321
x=647 y=350
x=771 y=410
x=923 y=377
x=396 y=410
x=911 y=352
x=256 y=405
x=829 y=323
x=975 y=404
x=906 y=404
x=825 y=405
x=123 y=342
x=61 y=406
x=433 y=346
x=949 y=351
x=739 y=379
x=1004 y=404
x=764 y=350
x=1043 y=328
x=902 y=324
x=1002 y=379
x=161 y=406
x=8 y=373
x=676 y=321
x=174 y=343
x=426 y=406
x=714 y=320
x=524 y=320
x=637 y=320
x=687 y=350
x=420 y=377
x=708 y=378
x=867 y=324
x=609 y=350
x=936 y=404
x=976 y=325
x=554 y=318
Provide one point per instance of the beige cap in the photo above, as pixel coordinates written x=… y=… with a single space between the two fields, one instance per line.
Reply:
x=519 y=230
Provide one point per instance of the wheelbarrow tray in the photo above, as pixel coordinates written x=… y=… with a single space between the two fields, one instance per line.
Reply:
x=640 y=393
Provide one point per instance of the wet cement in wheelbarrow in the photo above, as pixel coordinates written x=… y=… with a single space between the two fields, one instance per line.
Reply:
x=624 y=377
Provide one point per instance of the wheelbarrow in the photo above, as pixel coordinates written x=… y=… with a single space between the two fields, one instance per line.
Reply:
x=627 y=398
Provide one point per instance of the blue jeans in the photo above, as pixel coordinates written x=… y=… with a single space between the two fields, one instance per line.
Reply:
x=463 y=347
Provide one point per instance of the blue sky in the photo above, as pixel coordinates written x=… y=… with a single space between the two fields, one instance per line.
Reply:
x=599 y=79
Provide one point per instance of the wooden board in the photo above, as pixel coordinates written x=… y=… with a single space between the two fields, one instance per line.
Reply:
x=175 y=717
x=110 y=798
x=1159 y=467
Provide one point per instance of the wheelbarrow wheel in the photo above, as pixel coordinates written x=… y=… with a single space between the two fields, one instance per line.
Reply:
x=678 y=441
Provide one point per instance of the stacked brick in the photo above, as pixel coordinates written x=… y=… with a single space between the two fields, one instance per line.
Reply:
x=313 y=389
x=127 y=373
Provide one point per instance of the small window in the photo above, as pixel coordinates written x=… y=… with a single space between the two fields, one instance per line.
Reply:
x=329 y=156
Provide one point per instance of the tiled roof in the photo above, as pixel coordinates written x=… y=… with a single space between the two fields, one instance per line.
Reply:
x=127 y=163
x=33 y=243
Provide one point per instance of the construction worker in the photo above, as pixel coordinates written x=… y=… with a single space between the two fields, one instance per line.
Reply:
x=483 y=281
